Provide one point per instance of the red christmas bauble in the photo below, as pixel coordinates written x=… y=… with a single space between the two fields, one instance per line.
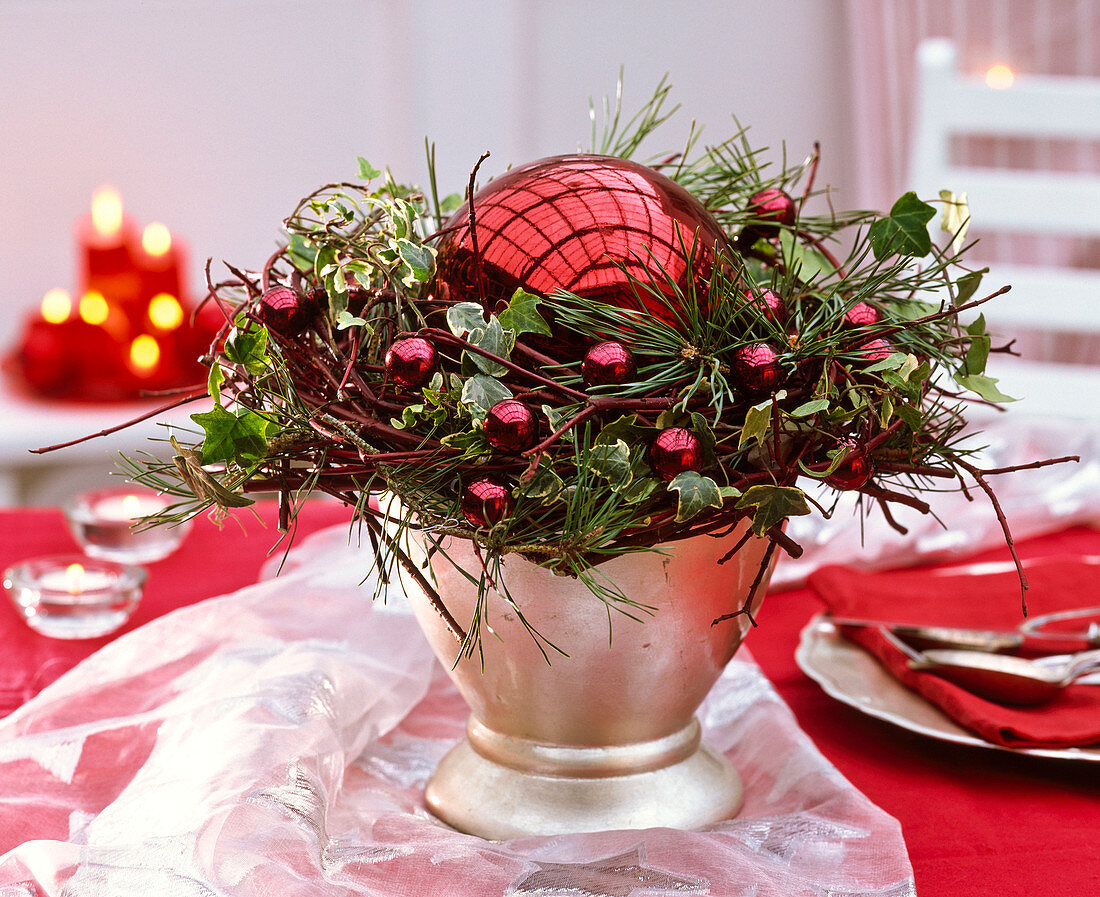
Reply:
x=861 y=315
x=410 y=362
x=511 y=426
x=583 y=223
x=756 y=369
x=674 y=451
x=767 y=303
x=855 y=470
x=772 y=205
x=608 y=363
x=486 y=501
x=875 y=350
x=285 y=310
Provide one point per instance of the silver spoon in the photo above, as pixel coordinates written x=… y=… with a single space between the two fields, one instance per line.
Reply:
x=1005 y=679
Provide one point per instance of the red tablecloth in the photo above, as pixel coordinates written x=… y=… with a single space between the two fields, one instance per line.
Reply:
x=977 y=822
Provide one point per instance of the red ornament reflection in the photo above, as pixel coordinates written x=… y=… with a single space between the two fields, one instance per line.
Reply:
x=582 y=223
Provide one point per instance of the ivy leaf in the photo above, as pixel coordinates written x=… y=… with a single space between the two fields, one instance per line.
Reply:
x=955 y=217
x=214 y=382
x=302 y=253
x=811 y=407
x=481 y=393
x=911 y=416
x=804 y=262
x=696 y=493
x=366 y=171
x=904 y=231
x=773 y=504
x=230 y=437
x=892 y=363
x=612 y=462
x=493 y=338
x=248 y=348
x=408 y=417
x=545 y=484
x=419 y=259
x=758 y=420
x=625 y=428
x=345 y=319
x=984 y=386
x=464 y=317
x=978 y=352
x=470 y=442
x=522 y=316
x=967 y=285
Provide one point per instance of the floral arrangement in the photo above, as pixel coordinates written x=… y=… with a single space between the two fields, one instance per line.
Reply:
x=590 y=356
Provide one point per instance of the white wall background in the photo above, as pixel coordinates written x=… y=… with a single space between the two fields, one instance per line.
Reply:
x=215 y=116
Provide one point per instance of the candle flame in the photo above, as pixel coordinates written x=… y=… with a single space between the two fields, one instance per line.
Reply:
x=155 y=239
x=144 y=353
x=94 y=308
x=131 y=506
x=57 y=305
x=999 y=76
x=74 y=579
x=165 y=311
x=107 y=211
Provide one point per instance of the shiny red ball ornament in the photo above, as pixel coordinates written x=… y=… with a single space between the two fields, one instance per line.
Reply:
x=767 y=303
x=608 y=363
x=285 y=310
x=862 y=315
x=594 y=225
x=511 y=426
x=875 y=350
x=411 y=361
x=486 y=501
x=755 y=368
x=855 y=470
x=674 y=451
x=772 y=205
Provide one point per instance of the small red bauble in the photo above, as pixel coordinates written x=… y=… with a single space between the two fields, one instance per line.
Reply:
x=772 y=205
x=674 y=451
x=596 y=226
x=855 y=470
x=608 y=363
x=285 y=310
x=756 y=369
x=486 y=501
x=410 y=361
x=861 y=315
x=875 y=350
x=511 y=426
x=767 y=303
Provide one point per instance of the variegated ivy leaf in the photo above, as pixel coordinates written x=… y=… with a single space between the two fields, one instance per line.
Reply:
x=955 y=218
x=758 y=420
x=773 y=505
x=419 y=259
x=481 y=392
x=345 y=319
x=495 y=339
x=464 y=317
x=545 y=484
x=612 y=462
x=696 y=492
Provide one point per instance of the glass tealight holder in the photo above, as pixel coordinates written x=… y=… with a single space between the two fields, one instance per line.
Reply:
x=71 y=597
x=103 y=522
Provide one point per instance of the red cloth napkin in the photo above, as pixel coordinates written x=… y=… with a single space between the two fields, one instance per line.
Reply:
x=982 y=601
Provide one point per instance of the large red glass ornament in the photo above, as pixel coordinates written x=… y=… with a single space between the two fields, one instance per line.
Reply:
x=511 y=426
x=583 y=223
x=608 y=363
x=410 y=362
x=755 y=368
x=486 y=501
x=285 y=310
x=675 y=450
x=855 y=470
x=861 y=315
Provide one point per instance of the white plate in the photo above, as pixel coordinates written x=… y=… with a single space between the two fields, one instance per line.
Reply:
x=852 y=676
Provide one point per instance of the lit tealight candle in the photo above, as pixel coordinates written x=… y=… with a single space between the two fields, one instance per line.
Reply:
x=103 y=522
x=159 y=261
x=57 y=306
x=74 y=598
x=144 y=354
x=165 y=312
x=999 y=76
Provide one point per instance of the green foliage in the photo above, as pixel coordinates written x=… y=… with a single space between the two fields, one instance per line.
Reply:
x=905 y=230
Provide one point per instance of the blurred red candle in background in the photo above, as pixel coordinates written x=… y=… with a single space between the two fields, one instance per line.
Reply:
x=107 y=244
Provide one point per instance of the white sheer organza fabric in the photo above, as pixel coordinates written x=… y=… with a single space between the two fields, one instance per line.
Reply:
x=276 y=741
